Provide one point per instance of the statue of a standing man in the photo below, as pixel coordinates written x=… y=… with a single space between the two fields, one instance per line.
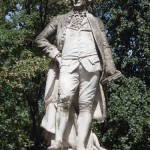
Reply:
x=84 y=59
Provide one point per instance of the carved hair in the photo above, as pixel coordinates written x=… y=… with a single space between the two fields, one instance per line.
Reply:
x=88 y=2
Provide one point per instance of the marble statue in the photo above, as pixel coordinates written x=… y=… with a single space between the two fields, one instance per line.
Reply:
x=81 y=65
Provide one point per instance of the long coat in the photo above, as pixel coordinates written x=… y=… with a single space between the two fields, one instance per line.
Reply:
x=57 y=27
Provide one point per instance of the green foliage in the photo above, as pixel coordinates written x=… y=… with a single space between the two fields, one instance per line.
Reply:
x=128 y=31
x=128 y=115
x=23 y=72
x=128 y=123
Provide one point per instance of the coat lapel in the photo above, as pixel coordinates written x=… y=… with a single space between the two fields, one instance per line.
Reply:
x=97 y=35
x=62 y=29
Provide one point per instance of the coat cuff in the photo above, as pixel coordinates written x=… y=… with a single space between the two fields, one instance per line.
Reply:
x=53 y=53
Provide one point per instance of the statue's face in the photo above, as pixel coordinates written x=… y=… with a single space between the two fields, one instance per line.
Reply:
x=79 y=4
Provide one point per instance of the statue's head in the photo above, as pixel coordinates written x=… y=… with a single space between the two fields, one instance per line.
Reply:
x=80 y=4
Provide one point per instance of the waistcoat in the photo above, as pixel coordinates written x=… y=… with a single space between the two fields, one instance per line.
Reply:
x=79 y=48
x=79 y=42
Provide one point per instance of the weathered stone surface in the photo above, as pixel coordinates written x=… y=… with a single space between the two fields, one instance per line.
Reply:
x=74 y=95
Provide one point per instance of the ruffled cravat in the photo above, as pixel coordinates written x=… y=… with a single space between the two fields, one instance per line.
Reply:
x=77 y=19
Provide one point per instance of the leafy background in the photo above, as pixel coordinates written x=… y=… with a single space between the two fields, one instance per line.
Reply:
x=23 y=71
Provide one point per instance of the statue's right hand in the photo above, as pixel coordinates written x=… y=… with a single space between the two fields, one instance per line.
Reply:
x=58 y=59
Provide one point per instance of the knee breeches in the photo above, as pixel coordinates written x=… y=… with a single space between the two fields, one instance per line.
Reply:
x=87 y=83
